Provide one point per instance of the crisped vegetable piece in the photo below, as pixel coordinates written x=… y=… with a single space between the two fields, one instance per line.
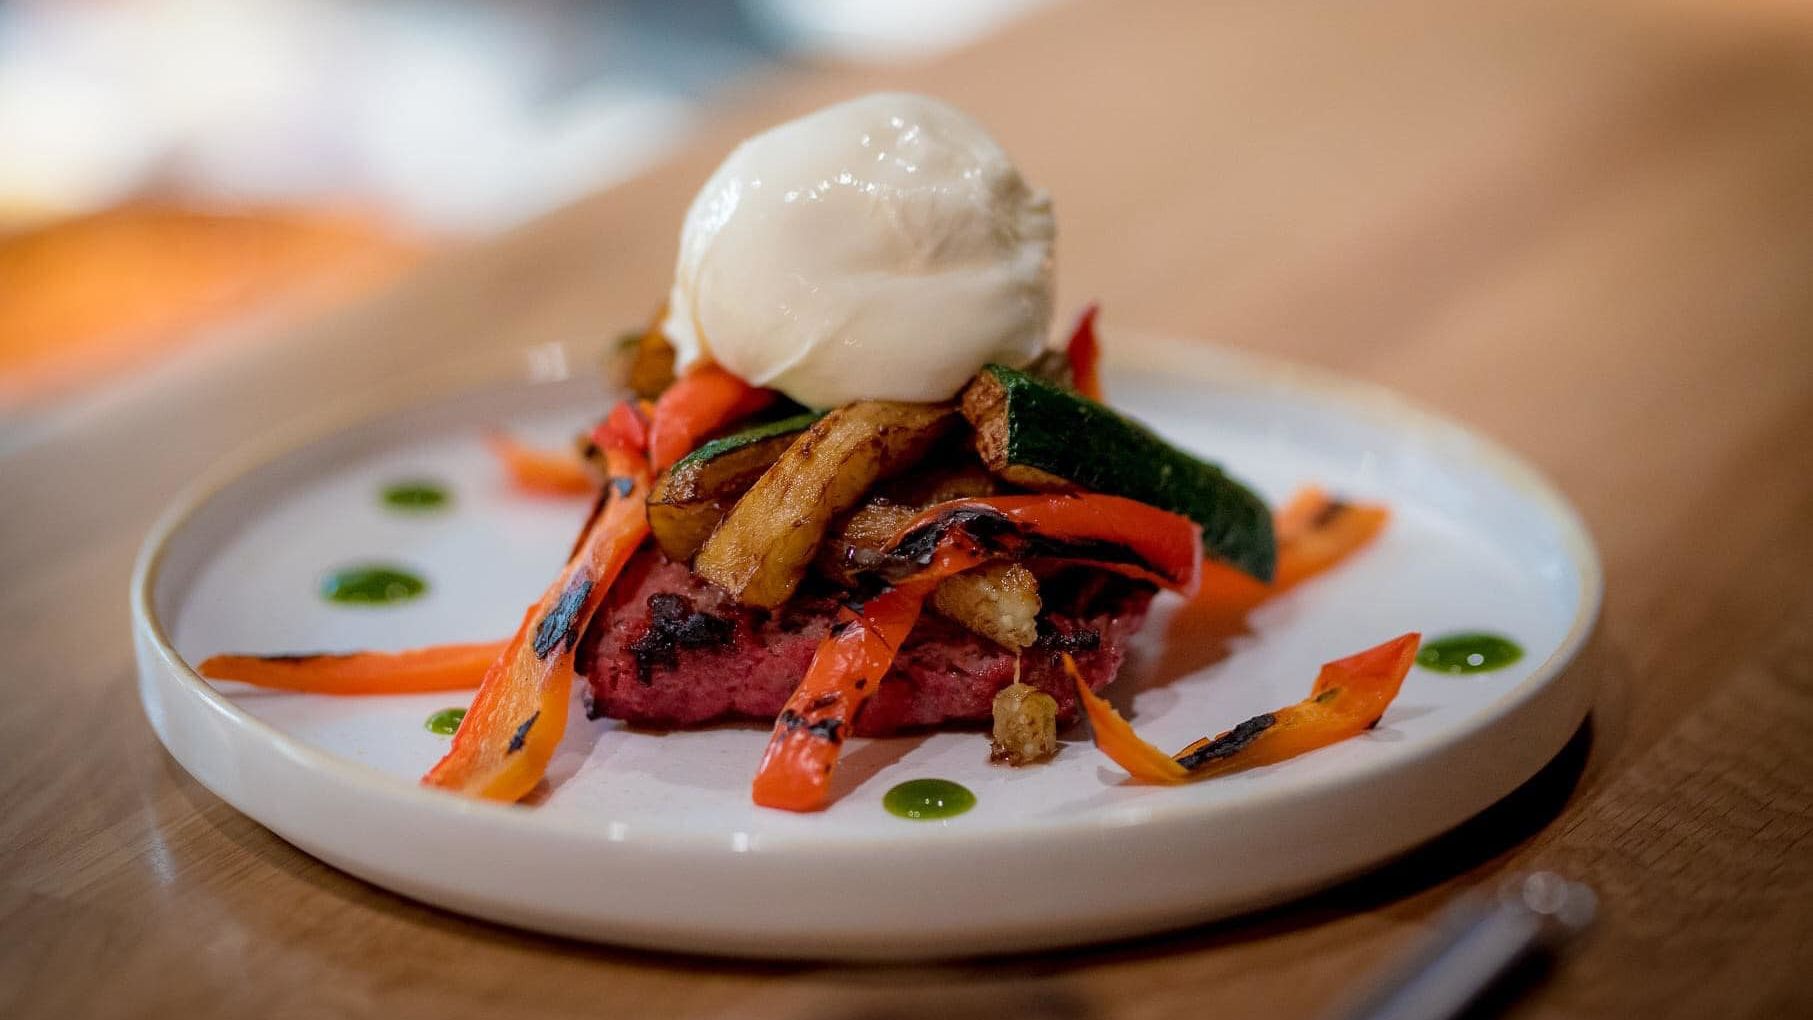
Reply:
x=692 y=497
x=999 y=602
x=502 y=749
x=1025 y=724
x=437 y=668
x=1035 y=434
x=761 y=550
x=1348 y=698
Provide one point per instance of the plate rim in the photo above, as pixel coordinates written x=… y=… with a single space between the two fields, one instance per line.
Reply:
x=1134 y=351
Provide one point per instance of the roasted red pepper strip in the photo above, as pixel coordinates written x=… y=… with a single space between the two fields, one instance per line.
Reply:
x=625 y=427
x=1348 y=698
x=705 y=399
x=436 y=668
x=548 y=472
x=1084 y=353
x=502 y=749
x=796 y=770
x=1110 y=532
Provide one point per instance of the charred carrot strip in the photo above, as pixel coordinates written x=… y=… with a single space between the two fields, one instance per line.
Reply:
x=1116 y=739
x=541 y=471
x=436 y=668
x=700 y=402
x=1318 y=531
x=1314 y=532
x=502 y=749
x=1348 y=698
x=795 y=774
x=1084 y=353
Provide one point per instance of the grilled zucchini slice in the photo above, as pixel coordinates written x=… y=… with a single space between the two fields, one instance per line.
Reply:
x=1038 y=435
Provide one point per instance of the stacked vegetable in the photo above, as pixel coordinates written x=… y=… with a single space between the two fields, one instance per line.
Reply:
x=899 y=506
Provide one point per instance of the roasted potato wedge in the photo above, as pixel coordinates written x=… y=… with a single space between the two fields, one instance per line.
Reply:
x=999 y=602
x=761 y=550
x=690 y=499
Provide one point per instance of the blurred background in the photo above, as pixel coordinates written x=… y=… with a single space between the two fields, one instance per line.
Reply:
x=176 y=174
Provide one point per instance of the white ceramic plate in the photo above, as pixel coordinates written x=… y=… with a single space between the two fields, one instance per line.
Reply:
x=651 y=840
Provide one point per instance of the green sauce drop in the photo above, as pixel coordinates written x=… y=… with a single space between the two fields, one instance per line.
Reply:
x=1470 y=652
x=445 y=721
x=372 y=584
x=928 y=799
x=416 y=497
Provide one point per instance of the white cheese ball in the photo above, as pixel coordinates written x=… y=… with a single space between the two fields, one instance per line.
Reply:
x=882 y=248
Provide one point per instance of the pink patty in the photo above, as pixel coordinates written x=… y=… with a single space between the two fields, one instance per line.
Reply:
x=670 y=650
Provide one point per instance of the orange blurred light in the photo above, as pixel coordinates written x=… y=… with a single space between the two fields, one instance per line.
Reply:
x=85 y=298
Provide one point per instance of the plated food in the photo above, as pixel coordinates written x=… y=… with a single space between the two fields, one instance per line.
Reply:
x=856 y=492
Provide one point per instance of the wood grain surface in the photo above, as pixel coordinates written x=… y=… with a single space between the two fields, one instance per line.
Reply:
x=1585 y=229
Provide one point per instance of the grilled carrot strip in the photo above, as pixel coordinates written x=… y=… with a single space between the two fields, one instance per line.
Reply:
x=1348 y=698
x=502 y=749
x=1314 y=532
x=436 y=668
x=795 y=773
x=700 y=402
x=1084 y=353
x=542 y=471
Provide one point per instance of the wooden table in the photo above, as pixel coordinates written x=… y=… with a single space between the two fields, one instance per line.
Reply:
x=1584 y=229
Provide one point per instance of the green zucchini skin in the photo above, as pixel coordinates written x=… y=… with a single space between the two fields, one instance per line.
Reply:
x=690 y=498
x=1034 y=433
x=710 y=451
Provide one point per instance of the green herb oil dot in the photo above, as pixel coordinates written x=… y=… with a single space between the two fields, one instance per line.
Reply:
x=371 y=584
x=1471 y=652
x=445 y=721
x=928 y=799
x=417 y=497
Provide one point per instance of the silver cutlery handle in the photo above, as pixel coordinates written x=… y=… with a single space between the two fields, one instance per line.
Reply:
x=1482 y=941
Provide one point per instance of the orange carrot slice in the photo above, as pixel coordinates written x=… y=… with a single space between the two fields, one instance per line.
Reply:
x=516 y=720
x=435 y=668
x=1347 y=699
x=1314 y=532
x=795 y=774
x=547 y=472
